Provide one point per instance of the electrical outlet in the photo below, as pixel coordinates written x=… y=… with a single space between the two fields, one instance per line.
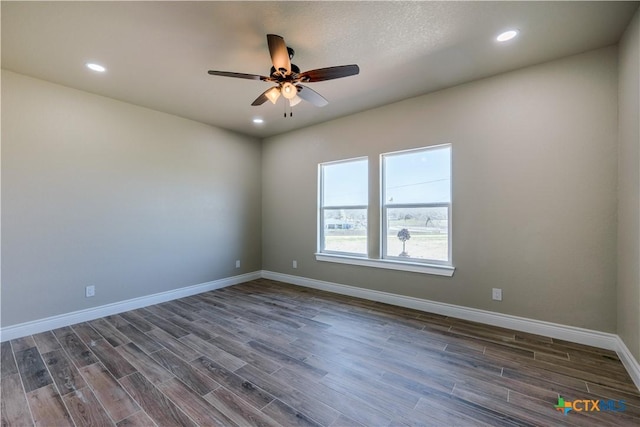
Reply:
x=496 y=294
x=237 y=263
x=89 y=291
x=295 y=264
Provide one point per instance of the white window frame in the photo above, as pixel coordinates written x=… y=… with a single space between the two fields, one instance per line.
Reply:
x=322 y=208
x=376 y=260
x=384 y=206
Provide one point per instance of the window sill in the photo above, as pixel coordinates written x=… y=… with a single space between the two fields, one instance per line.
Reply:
x=439 y=270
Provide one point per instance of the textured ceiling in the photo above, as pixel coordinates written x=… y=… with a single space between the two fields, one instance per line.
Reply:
x=158 y=53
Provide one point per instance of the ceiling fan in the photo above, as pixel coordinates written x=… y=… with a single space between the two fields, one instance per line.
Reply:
x=288 y=77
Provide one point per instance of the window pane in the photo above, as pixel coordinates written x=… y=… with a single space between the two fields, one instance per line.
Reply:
x=426 y=235
x=345 y=230
x=418 y=176
x=345 y=183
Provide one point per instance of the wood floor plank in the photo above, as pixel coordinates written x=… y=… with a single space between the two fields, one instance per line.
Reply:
x=64 y=373
x=608 y=393
x=159 y=310
x=622 y=418
x=116 y=320
x=109 y=332
x=117 y=365
x=139 y=419
x=115 y=400
x=47 y=407
x=236 y=384
x=162 y=410
x=197 y=380
x=7 y=361
x=46 y=342
x=346 y=404
x=168 y=327
x=199 y=409
x=286 y=360
x=390 y=400
x=537 y=411
x=141 y=339
x=222 y=323
x=178 y=309
x=174 y=345
x=236 y=409
x=466 y=409
x=446 y=413
x=75 y=348
x=138 y=321
x=32 y=369
x=244 y=352
x=225 y=359
x=344 y=421
x=144 y=363
x=287 y=397
x=21 y=344
x=85 y=409
x=87 y=333
x=602 y=374
x=289 y=416
x=14 y=409
x=198 y=328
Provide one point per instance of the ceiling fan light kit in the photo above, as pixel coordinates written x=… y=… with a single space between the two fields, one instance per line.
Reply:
x=289 y=91
x=288 y=77
x=273 y=94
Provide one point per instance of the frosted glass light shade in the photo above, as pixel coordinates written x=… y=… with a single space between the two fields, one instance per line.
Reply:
x=273 y=94
x=289 y=91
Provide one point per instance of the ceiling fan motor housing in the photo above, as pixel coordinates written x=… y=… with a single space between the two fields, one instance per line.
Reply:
x=276 y=74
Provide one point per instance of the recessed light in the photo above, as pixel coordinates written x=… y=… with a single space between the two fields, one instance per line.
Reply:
x=258 y=121
x=507 y=35
x=95 y=67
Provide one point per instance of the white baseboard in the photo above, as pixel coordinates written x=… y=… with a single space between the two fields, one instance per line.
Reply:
x=629 y=362
x=568 y=333
x=41 y=325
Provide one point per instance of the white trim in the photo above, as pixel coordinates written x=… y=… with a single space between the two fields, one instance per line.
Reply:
x=554 y=330
x=629 y=362
x=53 y=322
x=414 y=267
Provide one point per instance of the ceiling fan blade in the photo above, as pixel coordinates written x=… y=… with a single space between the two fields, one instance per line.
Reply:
x=279 y=54
x=239 y=75
x=311 y=96
x=260 y=100
x=264 y=97
x=329 y=73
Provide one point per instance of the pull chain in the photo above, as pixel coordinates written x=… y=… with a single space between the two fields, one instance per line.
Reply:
x=287 y=104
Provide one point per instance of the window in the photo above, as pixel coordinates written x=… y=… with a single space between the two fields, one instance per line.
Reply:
x=344 y=198
x=413 y=231
x=416 y=205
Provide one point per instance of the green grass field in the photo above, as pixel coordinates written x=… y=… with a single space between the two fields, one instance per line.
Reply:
x=420 y=246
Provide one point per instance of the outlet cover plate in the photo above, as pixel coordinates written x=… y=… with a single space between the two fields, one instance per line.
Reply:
x=90 y=291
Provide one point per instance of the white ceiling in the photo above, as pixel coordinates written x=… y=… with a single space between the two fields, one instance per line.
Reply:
x=158 y=53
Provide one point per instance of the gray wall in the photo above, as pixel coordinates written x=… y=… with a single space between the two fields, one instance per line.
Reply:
x=133 y=201
x=629 y=189
x=534 y=190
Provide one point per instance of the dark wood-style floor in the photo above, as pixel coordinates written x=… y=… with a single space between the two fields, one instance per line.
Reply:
x=265 y=353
